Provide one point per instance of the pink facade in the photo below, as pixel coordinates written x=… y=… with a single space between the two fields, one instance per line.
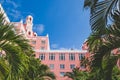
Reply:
x=59 y=61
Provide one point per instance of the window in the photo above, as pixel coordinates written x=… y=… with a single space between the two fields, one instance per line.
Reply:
x=42 y=57
x=81 y=56
x=61 y=56
x=33 y=42
x=42 y=48
x=29 y=33
x=43 y=41
x=51 y=66
x=51 y=56
x=62 y=74
x=30 y=18
x=71 y=56
x=62 y=66
x=72 y=66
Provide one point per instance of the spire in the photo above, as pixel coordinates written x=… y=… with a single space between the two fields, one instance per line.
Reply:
x=48 y=42
x=47 y=35
x=21 y=21
x=29 y=19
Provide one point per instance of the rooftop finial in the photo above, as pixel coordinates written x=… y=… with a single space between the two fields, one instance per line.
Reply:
x=47 y=35
x=21 y=21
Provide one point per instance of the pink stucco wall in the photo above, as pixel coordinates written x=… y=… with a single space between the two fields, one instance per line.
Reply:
x=44 y=48
x=57 y=62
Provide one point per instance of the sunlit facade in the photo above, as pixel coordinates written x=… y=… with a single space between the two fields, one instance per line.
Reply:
x=59 y=61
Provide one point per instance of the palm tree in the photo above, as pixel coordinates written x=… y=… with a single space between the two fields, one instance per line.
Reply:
x=38 y=71
x=15 y=49
x=116 y=73
x=17 y=61
x=101 y=12
x=104 y=37
x=77 y=74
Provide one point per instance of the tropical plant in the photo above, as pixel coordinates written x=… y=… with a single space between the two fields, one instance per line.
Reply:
x=77 y=74
x=38 y=71
x=105 y=37
x=116 y=73
x=16 y=57
x=11 y=45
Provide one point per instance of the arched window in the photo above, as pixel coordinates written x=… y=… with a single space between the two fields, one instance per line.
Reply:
x=29 y=33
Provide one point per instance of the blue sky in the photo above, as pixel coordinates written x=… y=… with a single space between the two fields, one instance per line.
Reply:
x=66 y=22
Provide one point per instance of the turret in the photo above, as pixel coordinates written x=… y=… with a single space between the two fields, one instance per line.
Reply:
x=29 y=24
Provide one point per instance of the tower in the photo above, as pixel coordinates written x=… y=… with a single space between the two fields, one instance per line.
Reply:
x=29 y=24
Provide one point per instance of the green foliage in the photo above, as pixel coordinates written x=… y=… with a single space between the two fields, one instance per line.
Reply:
x=37 y=71
x=105 y=37
x=77 y=74
x=17 y=61
x=101 y=11
x=116 y=73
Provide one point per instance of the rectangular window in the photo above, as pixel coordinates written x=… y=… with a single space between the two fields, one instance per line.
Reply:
x=71 y=56
x=42 y=57
x=81 y=56
x=51 y=66
x=72 y=66
x=33 y=42
x=42 y=48
x=62 y=74
x=43 y=41
x=62 y=66
x=51 y=56
x=61 y=56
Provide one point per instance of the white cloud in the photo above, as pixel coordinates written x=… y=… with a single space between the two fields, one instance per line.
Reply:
x=12 y=3
x=2 y=1
x=54 y=46
x=39 y=28
x=62 y=48
x=12 y=11
x=16 y=13
x=68 y=48
x=72 y=48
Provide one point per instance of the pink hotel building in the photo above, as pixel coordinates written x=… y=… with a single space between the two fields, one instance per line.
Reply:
x=59 y=61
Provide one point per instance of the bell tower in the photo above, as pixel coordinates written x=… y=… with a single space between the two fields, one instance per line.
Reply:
x=29 y=24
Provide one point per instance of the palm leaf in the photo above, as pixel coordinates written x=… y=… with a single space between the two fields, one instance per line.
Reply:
x=100 y=13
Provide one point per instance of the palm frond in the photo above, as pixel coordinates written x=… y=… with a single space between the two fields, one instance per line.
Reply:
x=100 y=13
